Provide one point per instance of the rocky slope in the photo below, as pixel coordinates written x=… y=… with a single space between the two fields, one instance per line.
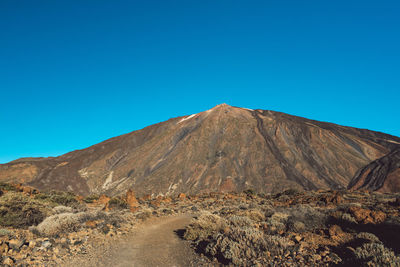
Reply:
x=222 y=149
x=381 y=175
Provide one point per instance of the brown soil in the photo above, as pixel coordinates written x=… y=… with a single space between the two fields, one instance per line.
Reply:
x=155 y=243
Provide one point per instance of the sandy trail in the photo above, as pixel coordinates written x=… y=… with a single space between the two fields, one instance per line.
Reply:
x=155 y=243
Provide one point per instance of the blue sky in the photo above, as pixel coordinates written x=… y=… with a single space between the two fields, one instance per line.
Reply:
x=74 y=73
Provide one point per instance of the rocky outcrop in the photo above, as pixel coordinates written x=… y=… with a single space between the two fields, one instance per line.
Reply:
x=131 y=200
x=223 y=149
x=381 y=175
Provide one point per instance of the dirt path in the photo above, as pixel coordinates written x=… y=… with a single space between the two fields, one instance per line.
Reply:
x=155 y=243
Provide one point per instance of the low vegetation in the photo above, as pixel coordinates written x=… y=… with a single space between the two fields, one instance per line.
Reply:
x=292 y=228
x=69 y=222
x=20 y=211
x=298 y=229
x=60 y=198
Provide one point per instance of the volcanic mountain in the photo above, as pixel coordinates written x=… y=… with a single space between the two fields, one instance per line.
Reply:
x=222 y=149
x=381 y=175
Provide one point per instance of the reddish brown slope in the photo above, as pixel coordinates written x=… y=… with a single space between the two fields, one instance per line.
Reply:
x=222 y=149
x=381 y=175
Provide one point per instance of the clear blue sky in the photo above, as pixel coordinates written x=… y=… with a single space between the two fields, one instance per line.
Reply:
x=74 y=73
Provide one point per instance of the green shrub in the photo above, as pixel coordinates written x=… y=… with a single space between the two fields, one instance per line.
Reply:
x=6 y=232
x=20 y=211
x=249 y=192
x=117 y=203
x=60 y=198
x=7 y=187
x=91 y=198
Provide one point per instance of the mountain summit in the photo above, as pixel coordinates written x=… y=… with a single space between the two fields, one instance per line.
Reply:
x=222 y=149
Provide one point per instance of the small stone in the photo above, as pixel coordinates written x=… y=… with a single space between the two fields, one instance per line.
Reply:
x=91 y=224
x=317 y=257
x=298 y=238
x=20 y=256
x=8 y=261
x=32 y=244
x=3 y=248
x=16 y=244
x=76 y=241
x=324 y=253
x=46 y=244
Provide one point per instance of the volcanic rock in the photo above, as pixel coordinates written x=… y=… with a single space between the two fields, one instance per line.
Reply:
x=381 y=175
x=223 y=149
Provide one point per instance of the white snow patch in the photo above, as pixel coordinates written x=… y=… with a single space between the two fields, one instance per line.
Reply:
x=189 y=117
x=391 y=141
x=248 y=109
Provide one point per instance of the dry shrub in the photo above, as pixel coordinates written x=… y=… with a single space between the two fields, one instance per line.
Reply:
x=296 y=219
x=277 y=222
x=255 y=215
x=311 y=217
x=62 y=209
x=145 y=214
x=204 y=226
x=348 y=218
x=65 y=222
x=234 y=239
x=243 y=246
x=297 y=227
x=240 y=221
x=376 y=254
x=369 y=237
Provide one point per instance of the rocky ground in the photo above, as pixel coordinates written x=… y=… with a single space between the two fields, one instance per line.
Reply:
x=316 y=228
x=293 y=228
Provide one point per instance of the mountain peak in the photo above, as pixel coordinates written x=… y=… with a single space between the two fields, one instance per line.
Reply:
x=222 y=149
x=221 y=106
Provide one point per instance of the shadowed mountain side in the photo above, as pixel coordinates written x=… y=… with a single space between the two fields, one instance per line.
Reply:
x=222 y=149
x=381 y=175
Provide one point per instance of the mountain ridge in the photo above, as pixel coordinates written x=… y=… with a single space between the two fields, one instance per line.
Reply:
x=222 y=149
